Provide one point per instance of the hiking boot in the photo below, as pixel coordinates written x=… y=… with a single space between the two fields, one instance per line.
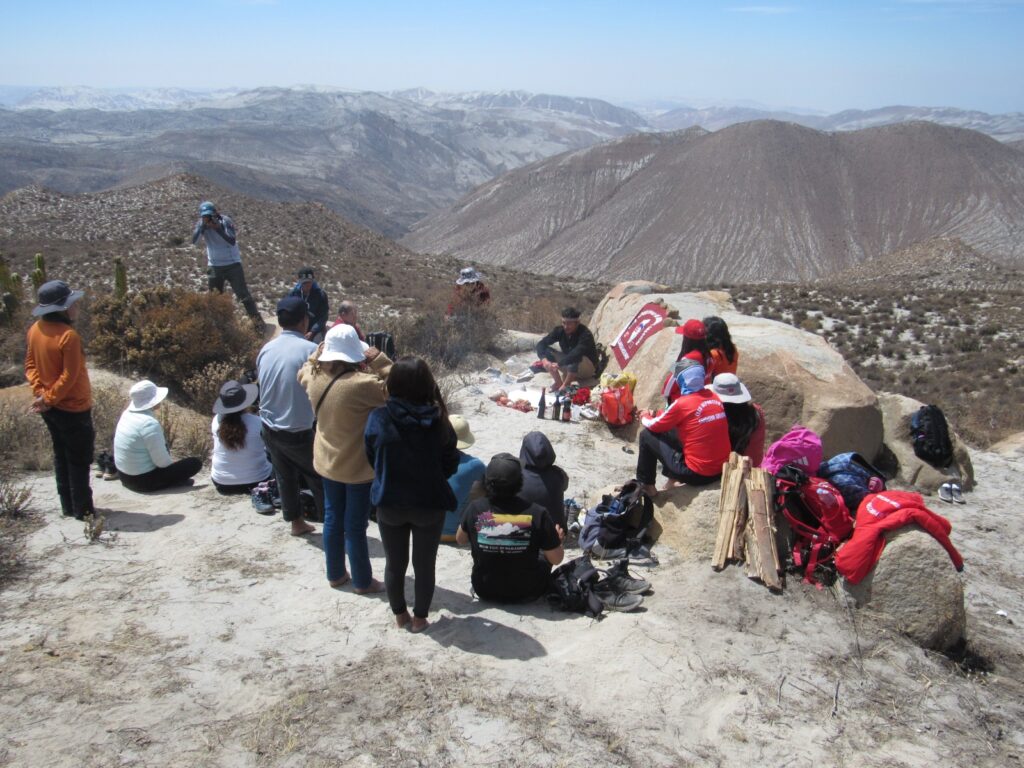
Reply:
x=618 y=553
x=957 y=493
x=618 y=579
x=946 y=492
x=615 y=601
x=261 y=500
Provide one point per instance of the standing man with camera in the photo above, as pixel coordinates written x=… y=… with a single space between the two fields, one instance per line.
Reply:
x=224 y=261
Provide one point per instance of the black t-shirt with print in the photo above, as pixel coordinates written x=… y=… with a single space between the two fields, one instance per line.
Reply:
x=507 y=542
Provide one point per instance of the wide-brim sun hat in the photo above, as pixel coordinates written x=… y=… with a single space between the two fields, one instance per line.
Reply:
x=55 y=296
x=234 y=397
x=342 y=343
x=468 y=275
x=692 y=329
x=729 y=388
x=462 y=432
x=145 y=395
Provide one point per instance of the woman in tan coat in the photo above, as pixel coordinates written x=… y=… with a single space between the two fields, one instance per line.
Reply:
x=344 y=379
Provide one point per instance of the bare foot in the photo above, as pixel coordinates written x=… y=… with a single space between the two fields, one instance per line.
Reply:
x=670 y=484
x=336 y=583
x=301 y=528
x=373 y=588
x=649 y=490
x=418 y=624
x=402 y=619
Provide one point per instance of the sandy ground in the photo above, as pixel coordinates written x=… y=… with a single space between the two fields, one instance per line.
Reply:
x=197 y=633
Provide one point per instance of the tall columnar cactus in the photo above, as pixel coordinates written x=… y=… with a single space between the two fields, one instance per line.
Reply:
x=10 y=291
x=120 y=279
x=39 y=273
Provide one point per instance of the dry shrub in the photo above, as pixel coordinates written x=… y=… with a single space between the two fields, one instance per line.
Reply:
x=445 y=341
x=538 y=315
x=203 y=388
x=15 y=498
x=171 y=335
x=187 y=433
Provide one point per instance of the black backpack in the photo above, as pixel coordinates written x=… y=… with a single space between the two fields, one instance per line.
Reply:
x=572 y=586
x=383 y=341
x=602 y=360
x=929 y=434
x=616 y=522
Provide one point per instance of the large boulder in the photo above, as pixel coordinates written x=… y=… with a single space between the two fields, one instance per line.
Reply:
x=915 y=590
x=908 y=469
x=686 y=519
x=795 y=375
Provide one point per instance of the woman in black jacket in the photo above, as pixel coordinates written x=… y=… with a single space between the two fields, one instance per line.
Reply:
x=412 y=448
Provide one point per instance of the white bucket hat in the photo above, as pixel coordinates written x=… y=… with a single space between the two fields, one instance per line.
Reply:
x=145 y=395
x=729 y=388
x=468 y=275
x=463 y=434
x=342 y=343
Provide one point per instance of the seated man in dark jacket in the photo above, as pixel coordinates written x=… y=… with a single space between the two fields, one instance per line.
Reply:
x=576 y=356
x=316 y=304
x=544 y=482
x=514 y=543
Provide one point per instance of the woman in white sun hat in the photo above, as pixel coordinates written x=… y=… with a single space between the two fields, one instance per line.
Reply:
x=746 y=419
x=140 y=448
x=344 y=380
x=239 y=458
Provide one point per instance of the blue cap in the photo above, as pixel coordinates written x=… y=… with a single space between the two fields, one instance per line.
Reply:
x=291 y=310
x=206 y=208
x=691 y=379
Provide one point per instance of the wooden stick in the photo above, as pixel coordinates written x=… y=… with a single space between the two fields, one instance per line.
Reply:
x=762 y=537
x=736 y=539
x=726 y=513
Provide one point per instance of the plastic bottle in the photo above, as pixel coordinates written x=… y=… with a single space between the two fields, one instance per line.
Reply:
x=542 y=408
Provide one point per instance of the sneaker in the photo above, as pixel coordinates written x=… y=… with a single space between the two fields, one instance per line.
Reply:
x=946 y=492
x=619 y=579
x=101 y=463
x=618 y=553
x=957 y=493
x=615 y=601
x=261 y=500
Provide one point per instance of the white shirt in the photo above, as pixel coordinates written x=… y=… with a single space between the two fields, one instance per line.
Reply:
x=245 y=465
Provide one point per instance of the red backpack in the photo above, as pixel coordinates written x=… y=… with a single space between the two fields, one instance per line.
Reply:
x=817 y=517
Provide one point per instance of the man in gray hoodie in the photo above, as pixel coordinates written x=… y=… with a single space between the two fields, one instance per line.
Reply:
x=544 y=482
x=224 y=260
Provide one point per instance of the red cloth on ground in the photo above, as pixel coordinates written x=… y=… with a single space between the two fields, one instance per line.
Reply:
x=887 y=511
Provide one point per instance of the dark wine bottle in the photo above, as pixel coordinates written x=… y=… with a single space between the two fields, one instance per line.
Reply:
x=556 y=409
x=542 y=408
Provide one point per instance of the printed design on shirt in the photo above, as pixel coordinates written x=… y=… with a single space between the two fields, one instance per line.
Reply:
x=506 y=534
x=702 y=419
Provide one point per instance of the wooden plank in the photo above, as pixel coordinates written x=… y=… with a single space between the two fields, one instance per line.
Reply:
x=736 y=538
x=726 y=513
x=763 y=538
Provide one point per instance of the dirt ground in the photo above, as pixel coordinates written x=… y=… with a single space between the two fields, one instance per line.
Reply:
x=197 y=633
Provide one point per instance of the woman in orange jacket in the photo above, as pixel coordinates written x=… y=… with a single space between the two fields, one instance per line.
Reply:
x=55 y=368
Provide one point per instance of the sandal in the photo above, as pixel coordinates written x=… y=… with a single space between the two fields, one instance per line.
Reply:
x=373 y=588
x=946 y=492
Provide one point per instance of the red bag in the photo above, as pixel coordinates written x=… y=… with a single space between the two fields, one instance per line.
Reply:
x=617 y=406
x=817 y=517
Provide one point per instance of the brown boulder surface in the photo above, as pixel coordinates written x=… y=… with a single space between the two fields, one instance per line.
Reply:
x=915 y=589
x=686 y=519
x=795 y=375
x=897 y=410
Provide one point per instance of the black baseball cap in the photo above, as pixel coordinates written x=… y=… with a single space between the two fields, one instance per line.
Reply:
x=291 y=310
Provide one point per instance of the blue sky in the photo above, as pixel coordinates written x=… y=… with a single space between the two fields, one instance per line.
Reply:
x=818 y=55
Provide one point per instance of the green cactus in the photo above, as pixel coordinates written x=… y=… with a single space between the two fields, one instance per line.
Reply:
x=120 y=278
x=39 y=273
x=10 y=291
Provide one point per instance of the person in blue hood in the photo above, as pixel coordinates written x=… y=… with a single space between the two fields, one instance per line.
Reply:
x=412 y=448
x=544 y=482
x=309 y=290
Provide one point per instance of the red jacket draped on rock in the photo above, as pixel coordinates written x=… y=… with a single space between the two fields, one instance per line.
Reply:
x=887 y=511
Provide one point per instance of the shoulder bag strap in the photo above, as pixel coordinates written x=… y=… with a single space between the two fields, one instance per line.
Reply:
x=316 y=411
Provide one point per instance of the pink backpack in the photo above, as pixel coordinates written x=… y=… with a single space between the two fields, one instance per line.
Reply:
x=800 y=446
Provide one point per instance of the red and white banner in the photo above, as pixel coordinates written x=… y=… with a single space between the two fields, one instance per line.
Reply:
x=647 y=322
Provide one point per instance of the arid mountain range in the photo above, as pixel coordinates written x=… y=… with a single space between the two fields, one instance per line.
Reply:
x=382 y=160
x=758 y=201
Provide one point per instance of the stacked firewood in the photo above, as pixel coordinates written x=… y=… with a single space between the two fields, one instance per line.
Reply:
x=746 y=522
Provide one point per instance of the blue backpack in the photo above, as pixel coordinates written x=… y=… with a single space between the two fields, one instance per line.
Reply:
x=854 y=476
x=618 y=520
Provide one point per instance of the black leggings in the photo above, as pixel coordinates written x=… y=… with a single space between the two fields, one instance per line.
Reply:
x=664 y=447
x=162 y=477
x=231 y=490
x=73 y=439
x=395 y=526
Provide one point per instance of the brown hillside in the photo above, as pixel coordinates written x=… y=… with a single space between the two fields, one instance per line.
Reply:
x=758 y=201
x=150 y=225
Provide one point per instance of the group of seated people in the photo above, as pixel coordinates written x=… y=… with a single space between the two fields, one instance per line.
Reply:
x=710 y=413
